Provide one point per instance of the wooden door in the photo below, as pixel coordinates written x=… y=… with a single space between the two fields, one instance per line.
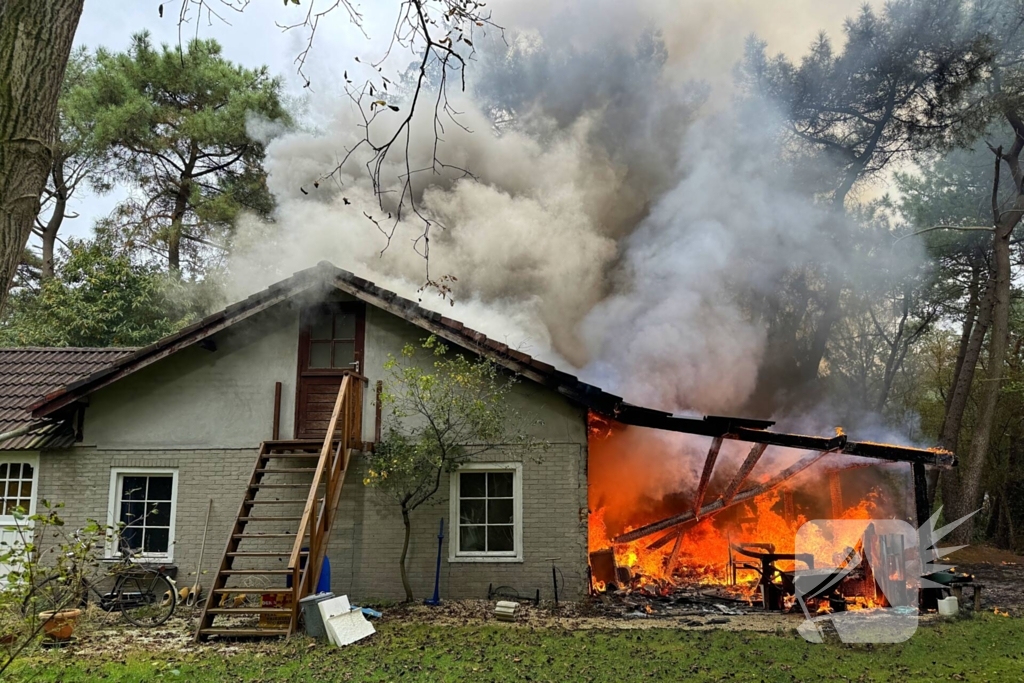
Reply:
x=330 y=344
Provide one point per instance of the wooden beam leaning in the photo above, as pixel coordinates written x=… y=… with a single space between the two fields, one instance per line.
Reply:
x=756 y=451
x=705 y=477
x=718 y=506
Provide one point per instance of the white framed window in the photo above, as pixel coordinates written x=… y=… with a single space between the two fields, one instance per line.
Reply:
x=144 y=502
x=487 y=513
x=19 y=476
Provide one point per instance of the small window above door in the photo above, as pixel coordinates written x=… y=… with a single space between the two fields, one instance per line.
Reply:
x=332 y=338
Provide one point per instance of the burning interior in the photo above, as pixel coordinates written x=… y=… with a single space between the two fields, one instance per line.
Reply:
x=717 y=503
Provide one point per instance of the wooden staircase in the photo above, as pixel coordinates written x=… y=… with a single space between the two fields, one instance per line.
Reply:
x=279 y=533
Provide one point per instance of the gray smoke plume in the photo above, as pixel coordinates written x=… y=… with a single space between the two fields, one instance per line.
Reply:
x=620 y=214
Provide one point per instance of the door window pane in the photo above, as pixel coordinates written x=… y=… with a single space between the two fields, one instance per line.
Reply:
x=320 y=355
x=321 y=327
x=344 y=355
x=345 y=326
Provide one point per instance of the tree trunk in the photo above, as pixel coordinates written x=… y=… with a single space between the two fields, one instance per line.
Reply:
x=405 y=553
x=970 y=481
x=35 y=41
x=52 y=227
x=961 y=393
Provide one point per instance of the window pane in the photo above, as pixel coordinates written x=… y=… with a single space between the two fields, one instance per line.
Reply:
x=321 y=327
x=499 y=511
x=15 y=470
x=3 y=471
x=133 y=488
x=472 y=484
x=159 y=488
x=345 y=326
x=26 y=489
x=158 y=514
x=156 y=541
x=499 y=484
x=320 y=355
x=344 y=355
x=500 y=539
x=10 y=505
x=132 y=513
x=472 y=511
x=12 y=489
x=26 y=471
x=471 y=539
x=132 y=537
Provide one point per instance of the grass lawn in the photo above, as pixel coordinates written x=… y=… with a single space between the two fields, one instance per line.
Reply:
x=986 y=648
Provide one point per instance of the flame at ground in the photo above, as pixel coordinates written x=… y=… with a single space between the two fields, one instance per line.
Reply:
x=640 y=476
x=703 y=551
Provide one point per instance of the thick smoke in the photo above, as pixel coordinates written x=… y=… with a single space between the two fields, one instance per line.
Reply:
x=620 y=214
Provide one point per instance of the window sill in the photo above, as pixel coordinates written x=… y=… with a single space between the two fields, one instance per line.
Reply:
x=484 y=559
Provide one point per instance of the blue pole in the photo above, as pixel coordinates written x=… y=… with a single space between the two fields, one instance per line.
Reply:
x=436 y=600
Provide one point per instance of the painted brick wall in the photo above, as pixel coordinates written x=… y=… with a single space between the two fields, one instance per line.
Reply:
x=367 y=538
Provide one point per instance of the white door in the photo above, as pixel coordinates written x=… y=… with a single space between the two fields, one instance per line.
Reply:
x=19 y=479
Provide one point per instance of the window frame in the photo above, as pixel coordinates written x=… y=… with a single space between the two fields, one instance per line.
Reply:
x=455 y=553
x=117 y=475
x=22 y=457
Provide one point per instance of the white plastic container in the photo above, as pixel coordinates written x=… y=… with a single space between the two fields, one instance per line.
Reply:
x=948 y=607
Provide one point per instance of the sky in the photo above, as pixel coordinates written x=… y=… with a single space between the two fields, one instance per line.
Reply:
x=704 y=37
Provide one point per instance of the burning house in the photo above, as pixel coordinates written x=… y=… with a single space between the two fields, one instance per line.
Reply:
x=237 y=408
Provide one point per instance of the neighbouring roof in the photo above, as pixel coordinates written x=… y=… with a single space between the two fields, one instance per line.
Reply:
x=594 y=398
x=29 y=374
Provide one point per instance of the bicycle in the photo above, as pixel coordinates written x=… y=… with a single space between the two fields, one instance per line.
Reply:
x=144 y=596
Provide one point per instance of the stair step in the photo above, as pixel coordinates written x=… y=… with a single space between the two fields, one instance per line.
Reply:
x=283 y=486
x=294 y=501
x=249 y=610
x=270 y=519
x=254 y=572
x=285 y=470
x=265 y=554
x=243 y=632
x=241 y=536
x=291 y=455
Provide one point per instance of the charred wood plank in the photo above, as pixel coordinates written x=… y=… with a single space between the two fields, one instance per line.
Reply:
x=835 y=488
x=738 y=429
x=705 y=477
x=744 y=472
x=674 y=556
x=718 y=506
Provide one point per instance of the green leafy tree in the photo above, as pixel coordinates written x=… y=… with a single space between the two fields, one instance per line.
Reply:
x=176 y=123
x=439 y=415
x=97 y=299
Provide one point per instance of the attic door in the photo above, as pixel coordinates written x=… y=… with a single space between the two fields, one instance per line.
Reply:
x=330 y=344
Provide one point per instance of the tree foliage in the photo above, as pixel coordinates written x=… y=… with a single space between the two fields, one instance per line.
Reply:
x=177 y=126
x=97 y=299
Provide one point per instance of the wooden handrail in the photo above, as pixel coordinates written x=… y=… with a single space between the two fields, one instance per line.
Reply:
x=331 y=468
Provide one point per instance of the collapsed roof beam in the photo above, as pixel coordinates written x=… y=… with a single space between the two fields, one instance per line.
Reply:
x=737 y=430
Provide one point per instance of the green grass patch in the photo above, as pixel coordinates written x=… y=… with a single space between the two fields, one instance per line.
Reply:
x=981 y=649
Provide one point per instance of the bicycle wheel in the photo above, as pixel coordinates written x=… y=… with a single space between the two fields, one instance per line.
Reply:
x=53 y=594
x=145 y=599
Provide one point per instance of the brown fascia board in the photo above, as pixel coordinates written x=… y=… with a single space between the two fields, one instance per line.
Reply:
x=187 y=336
